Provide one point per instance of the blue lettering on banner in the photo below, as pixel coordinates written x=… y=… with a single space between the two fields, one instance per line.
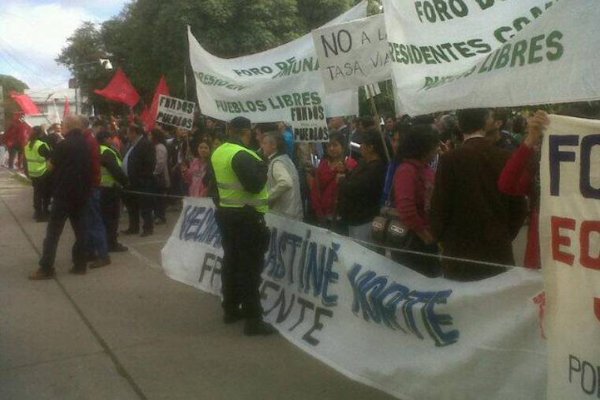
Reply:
x=212 y=264
x=397 y=307
x=306 y=263
x=199 y=226
x=309 y=324
x=561 y=151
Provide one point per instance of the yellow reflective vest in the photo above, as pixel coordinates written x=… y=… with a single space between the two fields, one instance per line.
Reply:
x=106 y=179
x=36 y=164
x=231 y=191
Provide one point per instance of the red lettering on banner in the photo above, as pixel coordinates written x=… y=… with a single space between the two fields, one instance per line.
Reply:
x=558 y=240
x=587 y=259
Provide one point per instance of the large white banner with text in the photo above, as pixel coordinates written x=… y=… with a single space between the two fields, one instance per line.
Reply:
x=281 y=84
x=570 y=246
x=450 y=54
x=376 y=321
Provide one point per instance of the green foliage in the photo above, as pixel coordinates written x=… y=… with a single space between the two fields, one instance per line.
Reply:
x=9 y=84
x=149 y=38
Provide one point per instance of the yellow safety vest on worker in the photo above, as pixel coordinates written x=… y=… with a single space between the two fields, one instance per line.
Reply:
x=36 y=164
x=106 y=179
x=231 y=191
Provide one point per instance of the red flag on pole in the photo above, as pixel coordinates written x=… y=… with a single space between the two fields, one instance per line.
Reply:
x=25 y=102
x=149 y=115
x=67 y=107
x=120 y=90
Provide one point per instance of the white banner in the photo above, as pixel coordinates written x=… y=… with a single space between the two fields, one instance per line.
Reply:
x=268 y=86
x=490 y=53
x=570 y=247
x=376 y=321
x=175 y=112
x=353 y=54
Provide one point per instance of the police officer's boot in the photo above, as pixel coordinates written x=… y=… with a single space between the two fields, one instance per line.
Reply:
x=257 y=327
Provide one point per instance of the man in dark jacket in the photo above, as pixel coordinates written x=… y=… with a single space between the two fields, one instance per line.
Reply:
x=72 y=187
x=138 y=165
x=469 y=216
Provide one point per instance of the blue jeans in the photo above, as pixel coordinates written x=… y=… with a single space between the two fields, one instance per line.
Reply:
x=95 y=232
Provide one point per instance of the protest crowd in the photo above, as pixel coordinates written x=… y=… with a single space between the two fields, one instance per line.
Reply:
x=459 y=184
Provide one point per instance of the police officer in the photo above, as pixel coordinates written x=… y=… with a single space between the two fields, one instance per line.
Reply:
x=242 y=201
x=37 y=153
x=112 y=179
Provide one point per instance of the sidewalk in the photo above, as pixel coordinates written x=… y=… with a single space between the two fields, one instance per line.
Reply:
x=128 y=332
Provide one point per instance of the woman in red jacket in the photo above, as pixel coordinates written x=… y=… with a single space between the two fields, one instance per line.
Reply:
x=520 y=177
x=413 y=187
x=324 y=188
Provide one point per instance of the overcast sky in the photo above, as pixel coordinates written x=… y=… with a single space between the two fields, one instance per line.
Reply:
x=33 y=32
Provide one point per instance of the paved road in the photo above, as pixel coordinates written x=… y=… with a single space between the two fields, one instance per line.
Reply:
x=128 y=332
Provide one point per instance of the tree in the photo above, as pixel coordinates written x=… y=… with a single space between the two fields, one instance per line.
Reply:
x=8 y=84
x=82 y=57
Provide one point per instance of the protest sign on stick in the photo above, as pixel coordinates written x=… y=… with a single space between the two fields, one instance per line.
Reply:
x=175 y=112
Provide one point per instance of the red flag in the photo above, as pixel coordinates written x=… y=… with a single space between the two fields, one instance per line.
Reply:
x=25 y=102
x=67 y=107
x=120 y=89
x=149 y=117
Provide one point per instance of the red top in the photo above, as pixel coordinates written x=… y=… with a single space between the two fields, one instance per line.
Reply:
x=95 y=156
x=413 y=187
x=324 y=191
x=518 y=179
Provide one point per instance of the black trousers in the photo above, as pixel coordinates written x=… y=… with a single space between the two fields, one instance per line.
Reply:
x=160 y=203
x=245 y=239
x=42 y=194
x=60 y=211
x=140 y=204
x=425 y=265
x=110 y=208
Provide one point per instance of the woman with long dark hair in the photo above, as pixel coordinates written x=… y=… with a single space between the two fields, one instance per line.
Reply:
x=37 y=153
x=324 y=188
x=413 y=187
x=360 y=192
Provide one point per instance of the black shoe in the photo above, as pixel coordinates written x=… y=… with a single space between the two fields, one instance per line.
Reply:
x=78 y=271
x=91 y=258
x=130 y=232
x=233 y=317
x=118 y=248
x=257 y=327
x=101 y=262
x=146 y=233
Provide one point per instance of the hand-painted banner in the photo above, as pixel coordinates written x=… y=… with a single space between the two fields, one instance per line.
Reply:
x=353 y=54
x=570 y=245
x=269 y=86
x=376 y=321
x=175 y=112
x=449 y=54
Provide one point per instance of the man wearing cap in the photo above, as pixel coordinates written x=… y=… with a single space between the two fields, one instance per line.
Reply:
x=242 y=201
